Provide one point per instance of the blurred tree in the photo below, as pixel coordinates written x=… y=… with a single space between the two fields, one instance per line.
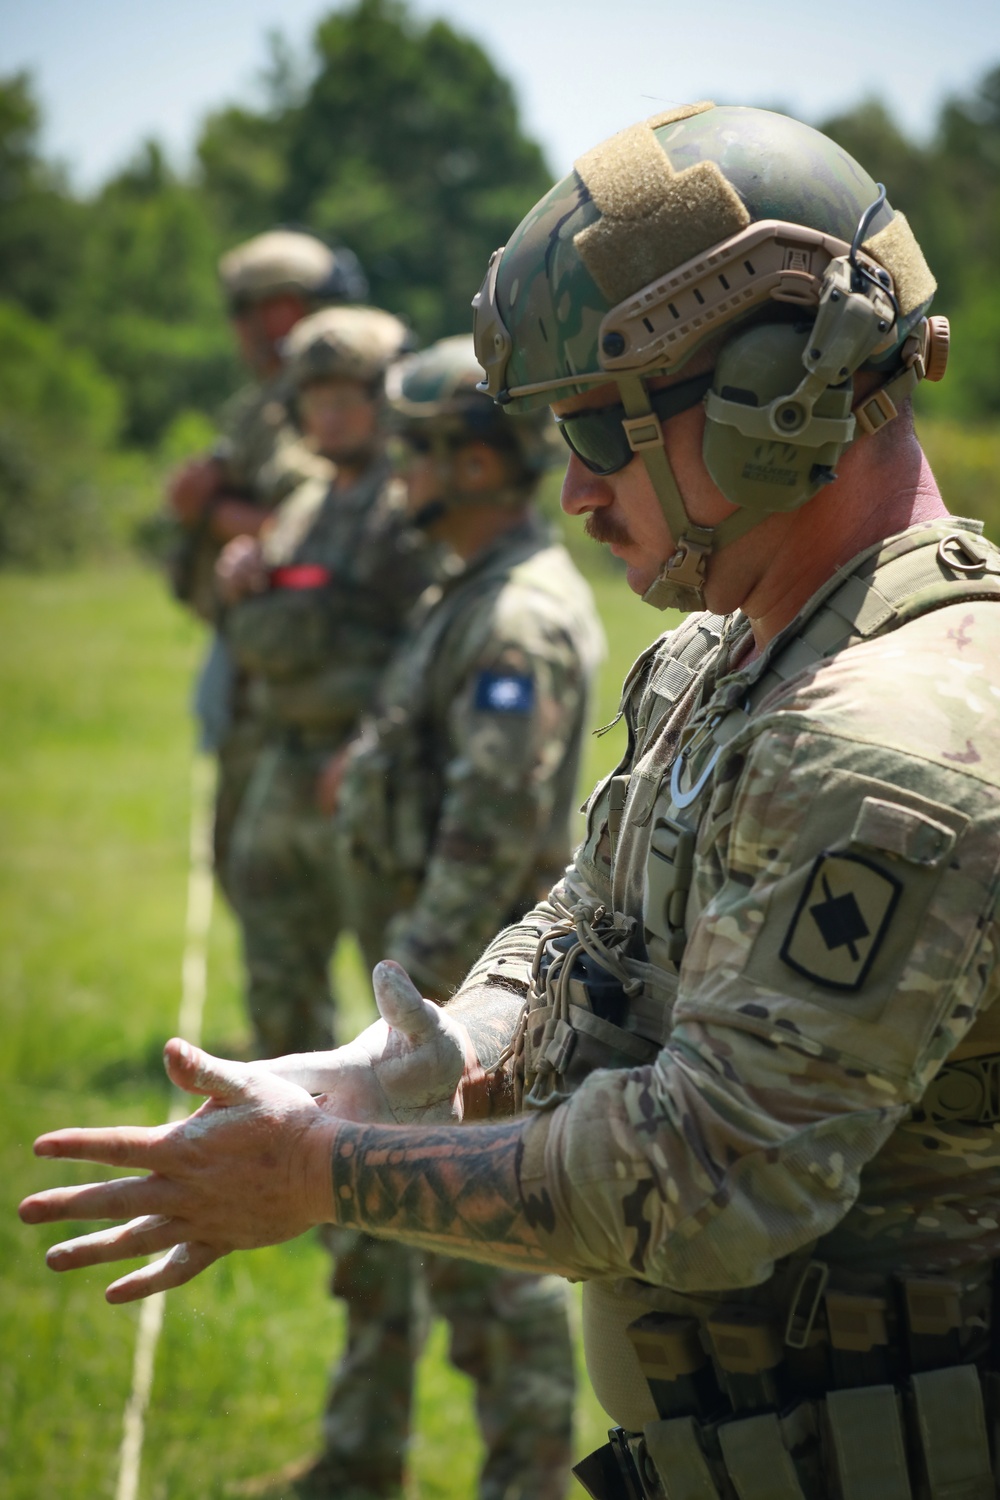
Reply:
x=405 y=145
x=147 y=303
x=395 y=136
x=244 y=153
x=59 y=417
x=40 y=223
x=949 y=189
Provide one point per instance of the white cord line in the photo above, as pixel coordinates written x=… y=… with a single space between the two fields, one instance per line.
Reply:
x=194 y=973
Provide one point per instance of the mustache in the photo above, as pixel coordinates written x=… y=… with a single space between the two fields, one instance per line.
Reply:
x=601 y=527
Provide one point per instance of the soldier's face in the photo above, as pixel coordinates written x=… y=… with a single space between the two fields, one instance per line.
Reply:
x=339 y=417
x=471 y=470
x=260 y=327
x=622 y=509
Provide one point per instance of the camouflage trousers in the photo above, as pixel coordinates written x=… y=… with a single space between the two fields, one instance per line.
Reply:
x=286 y=892
x=237 y=756
x=508 y=1332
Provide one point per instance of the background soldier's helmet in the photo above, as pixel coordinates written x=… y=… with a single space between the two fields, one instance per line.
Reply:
x=287 y=260
x=355 y=343
x=704 y=219
x=436 y=400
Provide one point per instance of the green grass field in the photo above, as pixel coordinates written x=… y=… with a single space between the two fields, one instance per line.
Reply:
x=95 y=768
x=94 y=804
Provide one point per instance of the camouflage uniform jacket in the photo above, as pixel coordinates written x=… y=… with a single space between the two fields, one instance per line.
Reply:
x=345 y=571
x=456 y=804
x=756 y=1094
x=264 y=459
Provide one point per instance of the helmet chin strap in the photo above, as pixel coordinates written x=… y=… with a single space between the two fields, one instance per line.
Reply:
x=680 y=583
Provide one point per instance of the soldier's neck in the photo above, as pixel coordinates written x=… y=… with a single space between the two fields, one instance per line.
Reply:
x=788 y=557
x=352 y=468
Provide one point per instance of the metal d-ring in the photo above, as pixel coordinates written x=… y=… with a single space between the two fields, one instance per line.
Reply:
x=684 y=799
x=976 y=565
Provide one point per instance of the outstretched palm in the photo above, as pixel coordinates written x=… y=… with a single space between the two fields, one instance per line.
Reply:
x=251 y=1166
x=415 y=1065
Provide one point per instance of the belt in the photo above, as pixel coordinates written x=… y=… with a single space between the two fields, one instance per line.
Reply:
x=872 y=1443
x=840 y=1384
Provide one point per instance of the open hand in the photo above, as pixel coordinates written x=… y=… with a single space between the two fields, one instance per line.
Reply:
x=250 y=1167
x=415 y=1065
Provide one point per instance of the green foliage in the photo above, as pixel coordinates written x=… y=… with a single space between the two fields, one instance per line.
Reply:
x=41 y=224
x=405 y=146
x=59 y=418
x=398 y=137
x=43 y=381
x=949 y=190
x=147 y=303
x=94 y=778
x=966 y=464
x=428 y=172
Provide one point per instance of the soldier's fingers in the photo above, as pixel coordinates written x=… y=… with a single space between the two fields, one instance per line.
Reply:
x=199 y=1072
x=401 y=1004
x=144 y=1236
x=111 y=1145
x=182 y=1264
x=123 y=1198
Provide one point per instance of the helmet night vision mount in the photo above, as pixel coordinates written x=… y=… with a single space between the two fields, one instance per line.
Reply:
x=814 y=301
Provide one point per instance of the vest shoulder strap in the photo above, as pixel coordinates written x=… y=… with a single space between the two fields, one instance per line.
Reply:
x=925 y=569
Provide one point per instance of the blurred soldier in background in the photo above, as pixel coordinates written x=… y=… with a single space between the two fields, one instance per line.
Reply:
x=269 y=283
x=454 y=816
x=316 y=603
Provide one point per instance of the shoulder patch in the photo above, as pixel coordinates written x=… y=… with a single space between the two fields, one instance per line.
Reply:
x=841 y=920
x=504 y=693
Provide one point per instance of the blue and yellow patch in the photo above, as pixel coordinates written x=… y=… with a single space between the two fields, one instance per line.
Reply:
x=504 y=693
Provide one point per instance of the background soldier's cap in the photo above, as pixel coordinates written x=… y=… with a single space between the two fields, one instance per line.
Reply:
x=437 y=391
x=356 y=343
x=287 y=260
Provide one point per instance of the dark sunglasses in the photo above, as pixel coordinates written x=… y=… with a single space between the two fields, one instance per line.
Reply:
x=598 y=438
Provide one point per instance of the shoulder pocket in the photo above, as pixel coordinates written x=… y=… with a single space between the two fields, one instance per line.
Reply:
x=867 y=915
x=846 y=917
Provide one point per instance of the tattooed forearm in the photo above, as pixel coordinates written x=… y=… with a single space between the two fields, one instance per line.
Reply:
x=447 y=1188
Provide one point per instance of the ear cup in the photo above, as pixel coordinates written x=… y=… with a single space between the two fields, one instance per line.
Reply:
x=755 y=470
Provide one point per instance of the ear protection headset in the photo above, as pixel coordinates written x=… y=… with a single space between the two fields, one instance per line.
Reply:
x=766 y=448
x=781 y=410
x=781 y=407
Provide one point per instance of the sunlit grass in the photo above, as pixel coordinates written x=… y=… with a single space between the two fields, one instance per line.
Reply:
x=95 y=757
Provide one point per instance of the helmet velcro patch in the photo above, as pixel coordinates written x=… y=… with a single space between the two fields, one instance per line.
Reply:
x=679 y=112
x=896 y=248
x=652 y=218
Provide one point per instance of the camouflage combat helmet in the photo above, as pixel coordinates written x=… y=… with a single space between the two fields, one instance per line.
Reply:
x=436 y=399
x=696 y=220
x=357 y=343
x=287 y=260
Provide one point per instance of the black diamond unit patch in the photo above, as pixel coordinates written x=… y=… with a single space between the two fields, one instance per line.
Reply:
x=840 y=921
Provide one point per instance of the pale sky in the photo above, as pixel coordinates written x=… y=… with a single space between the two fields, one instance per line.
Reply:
x=111 y=72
